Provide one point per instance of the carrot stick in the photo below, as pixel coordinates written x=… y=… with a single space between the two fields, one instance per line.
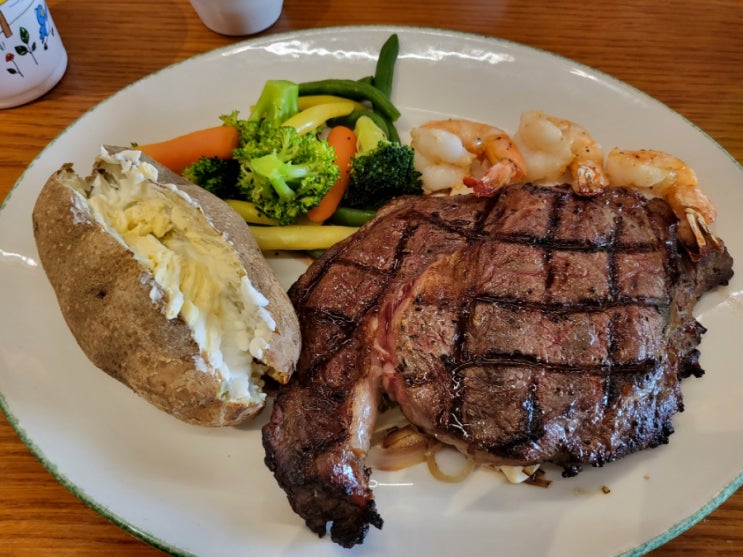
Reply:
x=343 y=140
x=177 y=153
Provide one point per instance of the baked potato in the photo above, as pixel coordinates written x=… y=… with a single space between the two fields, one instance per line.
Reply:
x=164 y=288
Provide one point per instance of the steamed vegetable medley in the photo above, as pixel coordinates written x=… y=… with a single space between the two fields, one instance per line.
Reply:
x=324 y=152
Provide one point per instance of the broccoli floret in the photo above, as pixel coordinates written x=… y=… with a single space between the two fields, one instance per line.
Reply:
x=380 y=170
x=278 y=102
x=219 y=176
x=287 y=181
x=284 y=173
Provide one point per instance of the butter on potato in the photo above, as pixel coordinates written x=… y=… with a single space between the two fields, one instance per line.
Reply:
x=164 y=288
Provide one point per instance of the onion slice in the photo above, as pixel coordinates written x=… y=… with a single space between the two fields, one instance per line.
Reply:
x=397 y=444
x=435 y=469
x=397 y=448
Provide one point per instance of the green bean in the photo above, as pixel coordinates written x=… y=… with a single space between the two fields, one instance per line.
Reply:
x=390 y=129
x=315 y=253
x=345 y=216
x=250 y=213
x=385 y=69
x=351 y=89
x=350 y=120
x=384 y=123
x=311 y=118
x=384 y=75
x=299 y=237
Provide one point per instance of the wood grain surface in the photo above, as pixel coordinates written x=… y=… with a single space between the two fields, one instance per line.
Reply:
x=687 y=54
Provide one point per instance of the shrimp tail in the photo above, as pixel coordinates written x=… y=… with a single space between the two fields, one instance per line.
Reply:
x=696 y=236
x=481 y=188
x=589 y=178
x=502 y=173
x=670 y=178
x=695 y=213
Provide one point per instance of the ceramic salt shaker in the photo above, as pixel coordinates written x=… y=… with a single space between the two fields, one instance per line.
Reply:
x=32 y=55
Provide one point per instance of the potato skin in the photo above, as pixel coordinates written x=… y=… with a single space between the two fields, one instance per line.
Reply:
x=104 y=296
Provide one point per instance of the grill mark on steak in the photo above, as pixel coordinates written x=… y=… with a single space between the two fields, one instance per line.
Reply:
x=535 y=326
x=509 y=359
x=552 y=223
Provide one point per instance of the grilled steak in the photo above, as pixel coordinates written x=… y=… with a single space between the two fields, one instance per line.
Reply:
x=534 y=326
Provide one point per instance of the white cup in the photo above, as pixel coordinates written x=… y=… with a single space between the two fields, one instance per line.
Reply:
x=32 y=56
x=238 y=17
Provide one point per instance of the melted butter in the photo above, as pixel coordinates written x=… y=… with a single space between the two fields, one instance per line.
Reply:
x=199 y=273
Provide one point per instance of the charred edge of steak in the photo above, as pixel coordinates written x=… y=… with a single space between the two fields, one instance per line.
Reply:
x=349 y=523
x=349 y=520
x=331 y=488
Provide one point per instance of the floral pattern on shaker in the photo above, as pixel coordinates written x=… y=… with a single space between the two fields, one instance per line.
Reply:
x=10 y=58
x=27 y=46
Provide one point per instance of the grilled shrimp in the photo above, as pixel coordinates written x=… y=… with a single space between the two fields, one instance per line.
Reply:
x=553 y=147
x=458 y=154
x=670 y=178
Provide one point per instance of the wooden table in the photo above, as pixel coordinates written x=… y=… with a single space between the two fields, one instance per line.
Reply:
x=688 y=54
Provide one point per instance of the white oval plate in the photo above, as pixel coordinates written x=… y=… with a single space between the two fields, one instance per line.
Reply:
x=199 y=491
